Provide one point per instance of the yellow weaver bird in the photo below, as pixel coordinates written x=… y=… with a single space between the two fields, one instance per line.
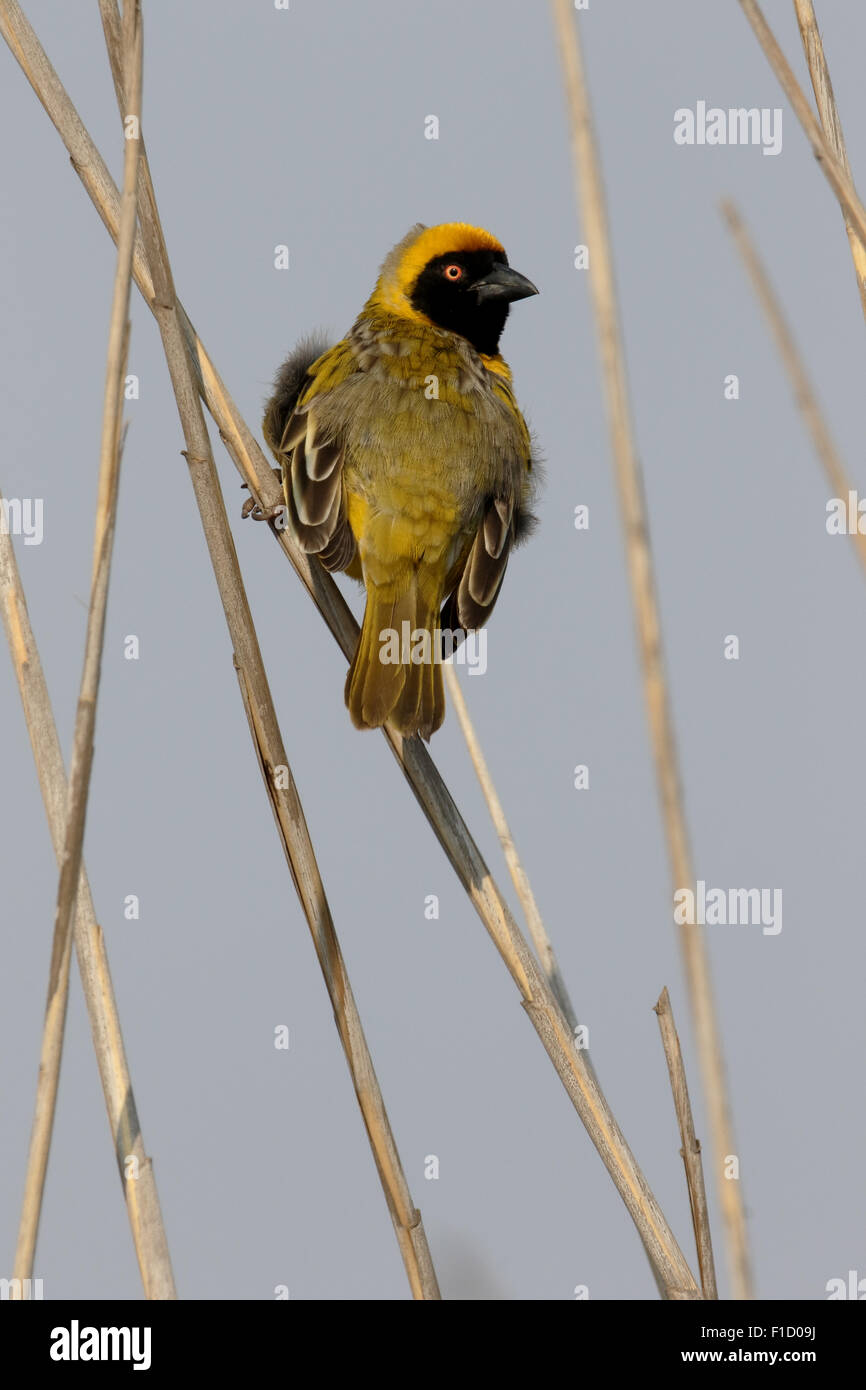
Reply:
x=406 y=463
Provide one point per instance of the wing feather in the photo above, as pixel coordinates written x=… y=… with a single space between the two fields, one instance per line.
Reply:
x=310 y=461
x=472 y=600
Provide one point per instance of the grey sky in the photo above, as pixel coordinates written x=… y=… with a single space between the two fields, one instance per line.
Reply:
x=307 y=128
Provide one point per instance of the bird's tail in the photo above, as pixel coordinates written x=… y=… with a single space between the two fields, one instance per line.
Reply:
x=396 y=677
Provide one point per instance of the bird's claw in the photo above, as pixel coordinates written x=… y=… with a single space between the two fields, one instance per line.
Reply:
x=253 y=508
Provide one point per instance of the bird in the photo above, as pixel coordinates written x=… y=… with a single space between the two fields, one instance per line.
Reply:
x=406 y=463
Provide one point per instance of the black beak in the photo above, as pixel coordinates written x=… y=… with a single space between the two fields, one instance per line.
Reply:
x=504 y=283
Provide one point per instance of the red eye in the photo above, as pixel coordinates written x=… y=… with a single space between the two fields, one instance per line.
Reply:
x=453 y=272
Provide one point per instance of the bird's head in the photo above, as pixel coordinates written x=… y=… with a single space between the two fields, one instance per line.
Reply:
x=455 y=277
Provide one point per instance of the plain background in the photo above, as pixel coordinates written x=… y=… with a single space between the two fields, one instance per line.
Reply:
x=306 y=128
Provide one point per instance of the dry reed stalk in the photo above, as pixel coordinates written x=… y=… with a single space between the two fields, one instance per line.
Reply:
x=804 y=394
x=51 y=1051
x=826 y=101
x=142 y=1200
x=519 y=877
x=264 y=727
x=691 y=1149
x=669 y=1265
x=158 y=1274
x=840 y=181
x=85 y=719
x=589 y=185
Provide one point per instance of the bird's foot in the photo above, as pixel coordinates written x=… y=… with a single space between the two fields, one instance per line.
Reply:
x=254 y=509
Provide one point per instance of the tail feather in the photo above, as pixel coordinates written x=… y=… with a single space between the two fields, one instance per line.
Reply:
x=379 y=689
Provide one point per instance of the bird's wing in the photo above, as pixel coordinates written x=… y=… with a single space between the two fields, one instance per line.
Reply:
x=505 y=520
x=310 y=455
x=471 y=602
